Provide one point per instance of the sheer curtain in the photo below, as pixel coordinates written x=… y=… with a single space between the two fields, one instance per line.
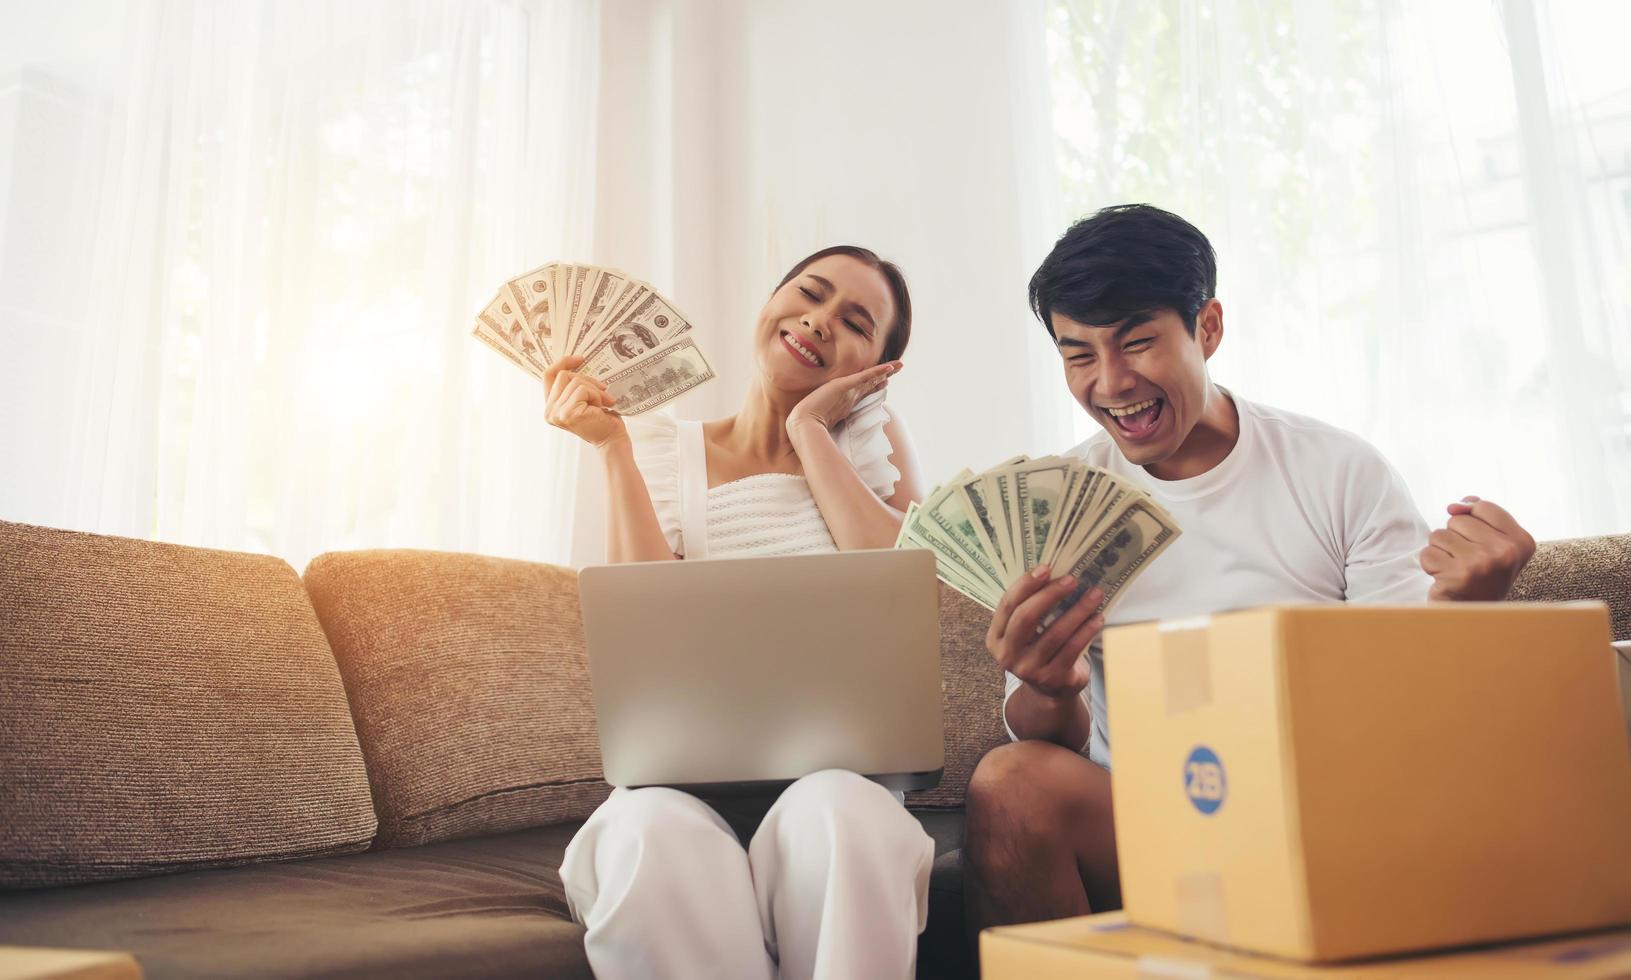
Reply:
x=1421 y=212
x=253 y=333
x=237 y=307
x=240 y=241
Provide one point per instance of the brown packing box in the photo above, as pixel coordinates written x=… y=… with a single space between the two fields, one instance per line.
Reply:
x=1332 y=782
x=38 y=963
x=1622 y=653
x=1095 y=946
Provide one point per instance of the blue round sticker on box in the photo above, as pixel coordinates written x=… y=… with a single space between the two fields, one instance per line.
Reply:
x=1203 y=780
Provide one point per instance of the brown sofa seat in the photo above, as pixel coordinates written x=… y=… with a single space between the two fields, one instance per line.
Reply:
x=478 y=907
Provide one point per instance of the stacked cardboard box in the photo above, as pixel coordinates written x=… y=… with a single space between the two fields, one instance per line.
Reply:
x=1108 y=947
x=1331 y=782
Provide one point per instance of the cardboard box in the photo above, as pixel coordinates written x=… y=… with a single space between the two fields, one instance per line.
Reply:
x=1331 y=782
x=1095 y=946
x=38 y=963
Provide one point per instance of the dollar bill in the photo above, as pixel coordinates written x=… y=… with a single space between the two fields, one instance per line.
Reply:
x=1039 y=498
x=1077 y=502
x=987 y=529
x=605 y=292
x=489 y=336
x=531 y=292
x=501 y=320
x=952 y=566
x=942 y=519
x=622 y=326
x=572 y=303
x=949 y=574
x=661 y=376
x=638 y=329
x=558 y=317
x=631 y=298
x=1133 y=539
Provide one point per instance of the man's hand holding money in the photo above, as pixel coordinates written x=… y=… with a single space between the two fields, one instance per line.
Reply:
x=1049 y=659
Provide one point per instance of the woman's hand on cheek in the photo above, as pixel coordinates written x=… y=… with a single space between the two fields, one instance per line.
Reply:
x=831 y=403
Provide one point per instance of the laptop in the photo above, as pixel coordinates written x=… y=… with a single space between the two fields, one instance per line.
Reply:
x=738 y=675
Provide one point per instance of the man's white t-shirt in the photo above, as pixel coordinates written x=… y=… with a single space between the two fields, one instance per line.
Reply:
x=1299 y=511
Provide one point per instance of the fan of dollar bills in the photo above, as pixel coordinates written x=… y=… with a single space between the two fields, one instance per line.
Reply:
x=987 y=529
x=629 y=336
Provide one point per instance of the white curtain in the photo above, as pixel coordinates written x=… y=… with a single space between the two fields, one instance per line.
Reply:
x=270 y=232
x=1422 y=213
x=240 y=242
x=254 y=333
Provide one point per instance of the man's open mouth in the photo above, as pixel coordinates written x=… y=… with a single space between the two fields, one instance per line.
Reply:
x=1138 y=419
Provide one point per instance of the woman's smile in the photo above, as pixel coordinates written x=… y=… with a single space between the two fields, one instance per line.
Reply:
x=803 y=352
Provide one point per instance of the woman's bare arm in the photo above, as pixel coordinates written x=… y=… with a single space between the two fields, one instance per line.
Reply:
x=857 y=517
x=581 y=405
x=633 y=532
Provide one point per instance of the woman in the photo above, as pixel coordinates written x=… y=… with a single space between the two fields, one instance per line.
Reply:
x=834 y=882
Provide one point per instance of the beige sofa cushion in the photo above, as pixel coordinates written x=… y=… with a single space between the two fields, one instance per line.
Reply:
x=1582 y=568
x=469 y=687
x=165 y=708
x=972 y=692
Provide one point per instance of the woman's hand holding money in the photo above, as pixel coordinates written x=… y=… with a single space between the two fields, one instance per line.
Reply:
x=1048 y=659
x=832 y=403
x=580 y=405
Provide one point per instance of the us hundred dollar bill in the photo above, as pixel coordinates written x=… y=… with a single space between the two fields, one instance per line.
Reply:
x=660 y=376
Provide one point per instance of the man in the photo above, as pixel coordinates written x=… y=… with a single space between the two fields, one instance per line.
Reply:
x=1274 y=507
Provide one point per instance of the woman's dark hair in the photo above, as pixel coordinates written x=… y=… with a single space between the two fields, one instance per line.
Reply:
x=901 y=330
x=1125 y=260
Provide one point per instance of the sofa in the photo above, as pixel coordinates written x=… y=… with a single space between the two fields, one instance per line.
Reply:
x=227 y=768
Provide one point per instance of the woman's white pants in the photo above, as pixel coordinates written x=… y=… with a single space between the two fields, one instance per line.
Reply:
x=833 y=885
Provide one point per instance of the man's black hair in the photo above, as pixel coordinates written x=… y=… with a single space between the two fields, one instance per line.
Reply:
x=1122 y=261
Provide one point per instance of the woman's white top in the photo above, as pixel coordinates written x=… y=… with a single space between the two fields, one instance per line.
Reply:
x=763 y=514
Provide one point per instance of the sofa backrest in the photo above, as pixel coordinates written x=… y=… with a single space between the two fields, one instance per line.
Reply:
x=469 y=687
x=971 y=694
x=1582 y=568
x=165 y=708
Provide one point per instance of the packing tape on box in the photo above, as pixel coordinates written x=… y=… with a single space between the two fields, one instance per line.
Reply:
x=1186 y=663
x=1200 y=906
x=1623 y=662
x=1166 y=968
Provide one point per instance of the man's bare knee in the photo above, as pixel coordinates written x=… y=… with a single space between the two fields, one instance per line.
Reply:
x=1015 y=792
x=1026 y=849
x=1031 y=771
x=1015 y=766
